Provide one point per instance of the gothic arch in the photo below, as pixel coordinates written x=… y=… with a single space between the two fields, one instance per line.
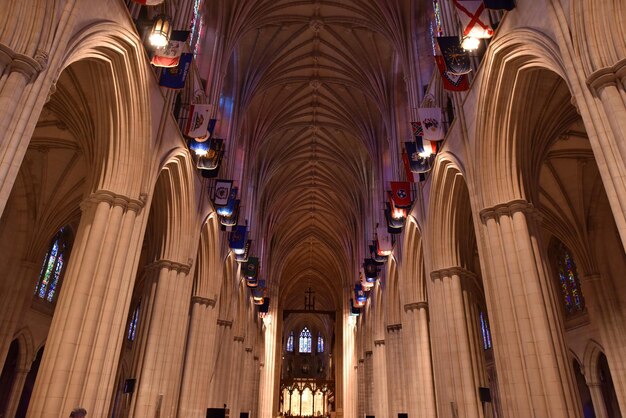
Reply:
x=504 y=122
x=590 y=361
x=29 y=26
x=207 y=280
x=412 y=281
x=393 y=305
x=121 y=151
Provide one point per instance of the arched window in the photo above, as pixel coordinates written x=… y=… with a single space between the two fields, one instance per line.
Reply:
x=571 y=292
x=53 y=267
x=304 y=345
x=484 y=326
x=320 y=343
x=132 y=325
x=290 y=343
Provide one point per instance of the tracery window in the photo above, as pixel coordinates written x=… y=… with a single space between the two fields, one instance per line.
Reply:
x=571 y=292
x=290 y=343
x=486 y=332
x=132 y=325
x=51 y=274
x=304 y=345
x=320 y=343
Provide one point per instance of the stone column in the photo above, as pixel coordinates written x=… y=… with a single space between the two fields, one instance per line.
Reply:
x=369 y=383
x=236 y=383
x=199 y=367
x=595 y=388
x=395 y=366
x=608 y=85
x=361 y=380
x=254 y=407
x=18 y=73
x=457 y=391
x=422 y=398
x=158 y=361
x=16 y=392
x=605 y=311
x=530 y=353
x=14 y=297
x=82 y=349
x=223 y=364
x=381 y=389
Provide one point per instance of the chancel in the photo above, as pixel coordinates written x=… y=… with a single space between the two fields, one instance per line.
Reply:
x=313 y=208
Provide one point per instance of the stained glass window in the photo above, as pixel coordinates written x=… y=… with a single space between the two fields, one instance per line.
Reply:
x=197 y=27
x=320 y=343
x=573 y=299
x=436 y=25
x=484 y=326
x=290 y=343
x=305 y=341
x=52 y=269
x=132 y=326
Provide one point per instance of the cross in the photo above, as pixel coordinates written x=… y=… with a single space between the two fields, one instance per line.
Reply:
x=309 y=300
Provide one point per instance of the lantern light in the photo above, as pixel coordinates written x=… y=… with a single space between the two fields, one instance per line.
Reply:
x=469 y=43
x=160 y=34
x=201 y=149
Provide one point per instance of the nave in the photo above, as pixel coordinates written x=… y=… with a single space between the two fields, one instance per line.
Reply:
x=335 y=208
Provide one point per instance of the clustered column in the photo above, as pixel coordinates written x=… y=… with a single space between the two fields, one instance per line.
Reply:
x=86 y=335
x=530 y=353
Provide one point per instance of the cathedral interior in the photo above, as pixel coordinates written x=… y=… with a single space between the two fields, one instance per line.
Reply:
x=298 y=208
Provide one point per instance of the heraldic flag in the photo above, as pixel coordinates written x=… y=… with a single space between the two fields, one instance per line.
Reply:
x=169 y=55
x=407 y=167
x=401 y=193
x=474 y=18
x=238 y=239
x=222 y=192
x=418 y=163
x=500 y=4
x=451 y=82
x=431 y=123
x=251 y=268
x=416 y=128
x=384 y=245
x=456 y=58
x=198 y=121
x=175 y=77
x=228 y=209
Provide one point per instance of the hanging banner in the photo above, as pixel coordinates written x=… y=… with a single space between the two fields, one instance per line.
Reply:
x=451 y=82
x=169 y=55
x=401 y=193
x=431 y=118
x=198 y=122
x=455 y=57
x=222 y=192
x=175 y=77
x=499 y=4
x=474 y=18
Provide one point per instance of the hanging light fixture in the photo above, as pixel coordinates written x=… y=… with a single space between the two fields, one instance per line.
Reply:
x=160 y=33
x=469 y=43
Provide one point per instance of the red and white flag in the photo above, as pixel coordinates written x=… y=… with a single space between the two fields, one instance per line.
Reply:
x=474 y=18
x=401 y=193
x=431 y=119
x=198 y=120
x=169 y=55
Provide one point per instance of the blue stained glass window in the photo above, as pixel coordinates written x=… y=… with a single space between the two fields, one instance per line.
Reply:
x=305 y=341
x=290 y=343
x=484 y=326
x=320 y=343
x=573 y=299
x=51 y=273
x=132 y=326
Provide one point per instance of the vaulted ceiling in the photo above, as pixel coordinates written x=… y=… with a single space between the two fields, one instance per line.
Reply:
x=315 y=87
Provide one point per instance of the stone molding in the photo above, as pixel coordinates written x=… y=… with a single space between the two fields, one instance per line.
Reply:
x=203 y=301
x=170 y=265
x=607 y=76
x=591 y=278
x=379 y=343
x=248 y=349
x=126 y=203
x=508 y=209
x=30 y=67
x=255 y=358
x=224 y=323
x=451 y=271
x=369 y=353
x=361 y=360
x=239 y=339
x=394 y=327
x=415 y=306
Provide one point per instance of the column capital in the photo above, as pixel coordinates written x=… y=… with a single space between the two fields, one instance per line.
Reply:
x=169 y=265
x=607 y=76
x=224 y=323
x=239 y=339
x=379 y=343
x=114 y=199
x=394 y=327
x=416 y=306
x=361 y=360
x=451 y=271
x=369 y=353
x=508 y=209
x=248 y=349
x=203 y=301
x=30 y=67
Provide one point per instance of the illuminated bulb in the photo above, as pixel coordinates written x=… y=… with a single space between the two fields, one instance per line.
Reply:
x=160 y=33
x=470 y=44
x=425 y=154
